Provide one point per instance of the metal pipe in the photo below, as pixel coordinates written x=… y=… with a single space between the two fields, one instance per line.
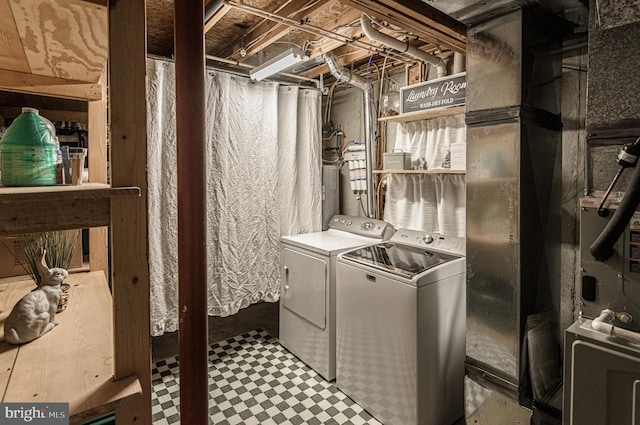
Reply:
x=211 y=8
x=312 y=29
x=459 y=63
x=603 y=324
x=602 y=247
x=344 y=75
x=192 y=263
x=389 y=41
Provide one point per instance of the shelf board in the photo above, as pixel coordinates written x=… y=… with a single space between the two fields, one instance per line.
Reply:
x=425 y=115
x=435 y=171
x=73 y=363
x=46 y=208
x=64 y=193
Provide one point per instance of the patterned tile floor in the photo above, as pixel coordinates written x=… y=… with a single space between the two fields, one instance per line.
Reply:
x=254 y=380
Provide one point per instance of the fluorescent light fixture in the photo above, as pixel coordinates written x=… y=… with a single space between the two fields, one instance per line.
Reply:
x=278 y=63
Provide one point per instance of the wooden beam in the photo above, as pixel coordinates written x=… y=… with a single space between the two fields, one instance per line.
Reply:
x=104 y=3
x=49 y=86
x=97 y=123
x=275 y=30
x=192 y=217
x=216 y=18
x=330 y=44
x=51 y=114
x=27 y=216
x=130 y=266
x=413 y=22
x=434 y=18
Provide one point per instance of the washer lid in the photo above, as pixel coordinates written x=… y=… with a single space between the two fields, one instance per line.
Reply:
x=403 y=260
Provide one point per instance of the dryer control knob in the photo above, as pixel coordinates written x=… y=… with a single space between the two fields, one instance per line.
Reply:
x=367 y=225
x=427 y=239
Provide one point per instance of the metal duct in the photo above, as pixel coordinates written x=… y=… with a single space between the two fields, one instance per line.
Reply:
x=375 y=35
x=211 y=8
x=513 y=144
x=474 y=11
x=348 y=77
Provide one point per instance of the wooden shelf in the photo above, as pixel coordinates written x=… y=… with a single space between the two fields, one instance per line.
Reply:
x=436 y=171
x=64 y=193
x=425 y=115
x=73 y=363
x=45 y=208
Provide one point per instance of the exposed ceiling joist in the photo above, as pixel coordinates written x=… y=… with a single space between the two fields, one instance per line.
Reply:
x=347 y=55
x=434 y=17
x=413 y=21
x=329 y=45
x=352 y=37
x=216 y=18
x=104 y=3
x=256 y=36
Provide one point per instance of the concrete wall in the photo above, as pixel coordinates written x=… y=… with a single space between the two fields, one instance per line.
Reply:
x=348 y=109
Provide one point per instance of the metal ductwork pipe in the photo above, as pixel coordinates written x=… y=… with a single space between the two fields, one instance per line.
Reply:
x=344 y=75
x=211 y=8
x=389 y=41
x=459 y=63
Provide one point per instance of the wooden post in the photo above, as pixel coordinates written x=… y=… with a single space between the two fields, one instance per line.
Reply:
x=130 y=266
x=97 y=122
x=192 y=267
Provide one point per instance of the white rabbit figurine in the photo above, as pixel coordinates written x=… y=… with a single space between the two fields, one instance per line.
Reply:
x=34 y=315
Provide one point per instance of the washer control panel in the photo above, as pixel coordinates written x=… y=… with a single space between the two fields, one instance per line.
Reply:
x=435 y=241
x=363 y=226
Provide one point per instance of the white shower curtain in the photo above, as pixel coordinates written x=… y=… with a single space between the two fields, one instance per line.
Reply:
x=428 y=202
x=263 y=181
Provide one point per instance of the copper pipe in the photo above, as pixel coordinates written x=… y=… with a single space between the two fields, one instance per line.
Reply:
x=192 y=266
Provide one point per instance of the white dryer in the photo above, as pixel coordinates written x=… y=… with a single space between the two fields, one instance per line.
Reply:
x=307 y=293
x=400 y=317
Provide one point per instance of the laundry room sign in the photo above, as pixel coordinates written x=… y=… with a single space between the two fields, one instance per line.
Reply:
x=439 y=93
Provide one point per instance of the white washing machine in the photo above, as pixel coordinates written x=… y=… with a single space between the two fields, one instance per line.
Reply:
x=400 y=318
x=307 y=293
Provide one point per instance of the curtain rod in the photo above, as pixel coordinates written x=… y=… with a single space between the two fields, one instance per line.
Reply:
x=236 y=72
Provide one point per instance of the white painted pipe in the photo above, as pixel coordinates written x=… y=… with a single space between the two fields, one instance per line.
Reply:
x=389 y=41
x=602 y=324
x=459 y=63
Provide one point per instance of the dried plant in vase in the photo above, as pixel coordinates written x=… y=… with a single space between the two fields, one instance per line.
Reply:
x=59 y=246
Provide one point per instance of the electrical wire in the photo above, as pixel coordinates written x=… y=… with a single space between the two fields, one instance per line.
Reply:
x=381 y=80
x=331 y=135
x=366 y=214
x=327 y=115
x=265 y=33
x=313 y=29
